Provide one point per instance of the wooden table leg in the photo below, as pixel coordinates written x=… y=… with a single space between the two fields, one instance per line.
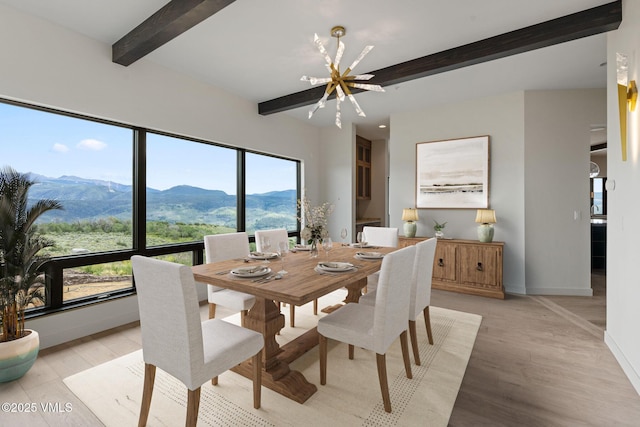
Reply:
x=265 y=317
x=354 y=292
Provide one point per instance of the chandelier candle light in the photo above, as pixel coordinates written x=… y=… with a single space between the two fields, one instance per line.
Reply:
x=486 y=218
x=340 y=82
x=410 y=216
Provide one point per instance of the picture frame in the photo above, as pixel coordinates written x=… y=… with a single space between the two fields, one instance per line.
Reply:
x=453 y=173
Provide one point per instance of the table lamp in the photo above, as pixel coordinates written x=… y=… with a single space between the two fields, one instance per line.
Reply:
x=486 y=218
x=410 y=215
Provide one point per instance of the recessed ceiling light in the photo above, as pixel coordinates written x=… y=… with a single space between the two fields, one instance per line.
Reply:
x=382 y=126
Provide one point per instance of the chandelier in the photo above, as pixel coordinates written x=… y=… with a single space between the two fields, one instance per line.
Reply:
x=340 y=82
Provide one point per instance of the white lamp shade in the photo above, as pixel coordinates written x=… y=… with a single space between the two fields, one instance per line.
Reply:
x=486 y=216
x=409 y=214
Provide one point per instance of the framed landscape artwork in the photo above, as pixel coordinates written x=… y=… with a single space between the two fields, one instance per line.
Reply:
x=453 y=173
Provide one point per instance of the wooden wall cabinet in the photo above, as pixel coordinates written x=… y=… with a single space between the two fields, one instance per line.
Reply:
x=466 y=266
x=363 y=168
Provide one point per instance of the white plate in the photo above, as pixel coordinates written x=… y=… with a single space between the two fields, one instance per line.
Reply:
x=263 y=255
x=302 y=247
x=369 y=255
x=335 y=266
x=362 y=246
x=250 y=271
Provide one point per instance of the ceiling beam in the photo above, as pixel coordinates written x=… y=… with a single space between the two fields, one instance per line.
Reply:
x=570 y=27
x=169 y=22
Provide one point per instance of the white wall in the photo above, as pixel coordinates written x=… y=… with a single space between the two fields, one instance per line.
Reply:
x=539 y=160
x=501 y=117
x=623 y=227
x=50 y=66
x=337 y=177
x=557 y=148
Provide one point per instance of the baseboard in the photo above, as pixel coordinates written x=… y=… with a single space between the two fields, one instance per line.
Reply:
x=573 y=292
x=515 y=290
x=622 y=360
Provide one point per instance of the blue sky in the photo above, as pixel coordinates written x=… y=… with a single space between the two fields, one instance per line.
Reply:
x=54 y=145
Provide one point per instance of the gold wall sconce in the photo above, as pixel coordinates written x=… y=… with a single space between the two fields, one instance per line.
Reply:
x=632 y=95
x=627 y=98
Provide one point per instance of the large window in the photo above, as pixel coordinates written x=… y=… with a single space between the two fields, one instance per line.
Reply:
x=191 y=190
x=271 y=187
x=127 y=190
x=86 y=165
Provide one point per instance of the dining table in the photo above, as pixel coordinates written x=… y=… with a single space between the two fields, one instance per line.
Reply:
x=303 y=283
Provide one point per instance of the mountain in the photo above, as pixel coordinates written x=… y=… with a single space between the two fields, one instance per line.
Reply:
x=90 y=199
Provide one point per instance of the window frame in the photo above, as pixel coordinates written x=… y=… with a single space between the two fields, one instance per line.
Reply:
x=54 y=268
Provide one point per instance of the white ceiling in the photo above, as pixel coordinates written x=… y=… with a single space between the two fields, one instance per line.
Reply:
x=259 y=49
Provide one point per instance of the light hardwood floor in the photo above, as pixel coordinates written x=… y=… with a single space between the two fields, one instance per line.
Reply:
x=537 y=361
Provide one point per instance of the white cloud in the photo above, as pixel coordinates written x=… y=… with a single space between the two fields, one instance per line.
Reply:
x=60 y=148
x=91 y=144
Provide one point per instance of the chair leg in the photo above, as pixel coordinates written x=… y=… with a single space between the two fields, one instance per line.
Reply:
x=315 y=307
x=243 y=315
x=193 y=404
x=414 y=341
x=351 y=352
x=384 y=385
x=405 y=354
x=212 y=310
x=257 y=379
x=427 y=321
x=214 y=381
x=292 y=315
x=147 y=392
x=322 y=340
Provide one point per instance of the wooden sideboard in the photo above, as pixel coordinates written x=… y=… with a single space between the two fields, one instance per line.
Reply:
x=466 y=266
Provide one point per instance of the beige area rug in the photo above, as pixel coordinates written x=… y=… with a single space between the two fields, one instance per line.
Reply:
x=113 y=390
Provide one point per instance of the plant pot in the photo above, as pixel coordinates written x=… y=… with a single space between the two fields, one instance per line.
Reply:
x=18 y=356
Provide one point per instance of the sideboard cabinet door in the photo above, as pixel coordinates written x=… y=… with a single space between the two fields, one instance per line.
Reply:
x=479 y=266
x=444 y=263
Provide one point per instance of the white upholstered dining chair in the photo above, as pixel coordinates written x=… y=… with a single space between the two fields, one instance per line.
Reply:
x=276 y=236
x=222 y=247
x=178 y=342
x=420 y=292
x=375 y=327
x=379 y=236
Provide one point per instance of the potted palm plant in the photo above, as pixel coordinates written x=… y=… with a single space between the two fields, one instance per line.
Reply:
x=21 y=278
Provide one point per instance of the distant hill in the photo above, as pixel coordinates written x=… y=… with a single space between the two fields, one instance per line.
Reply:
x=90 y=199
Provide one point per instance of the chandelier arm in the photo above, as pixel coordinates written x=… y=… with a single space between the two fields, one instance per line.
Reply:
x=320 y=104
x=339 y=53
x=331 y=87
x=375 y=88
x=364 y=52
x=359 y=77
x=356 y=105
x=338 y=114
x=320 y=46
x=344 y=87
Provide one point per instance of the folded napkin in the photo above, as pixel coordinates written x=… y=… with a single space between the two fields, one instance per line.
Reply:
x=330 y=265
x=249 y=270
x=257 y=253
x=369 y=254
